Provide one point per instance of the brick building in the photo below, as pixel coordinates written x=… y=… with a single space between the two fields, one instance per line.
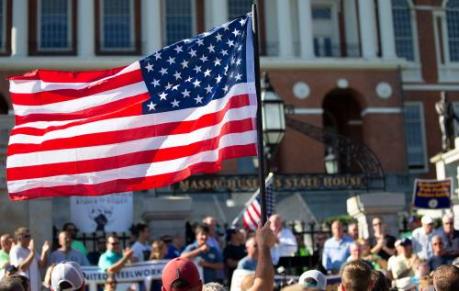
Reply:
x=370 y=70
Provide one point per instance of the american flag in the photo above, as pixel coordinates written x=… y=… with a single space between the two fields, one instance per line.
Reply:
x=180 y=111
x=251 y=216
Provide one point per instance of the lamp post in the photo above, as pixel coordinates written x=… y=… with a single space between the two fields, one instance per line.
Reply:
x=273 y=116
x=331 y=161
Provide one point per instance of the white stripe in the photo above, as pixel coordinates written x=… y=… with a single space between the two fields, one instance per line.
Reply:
x=138 y=145
x=83 y=103
x=131 y=122
x=35 y=86
x=248 y=220
x=135 y=171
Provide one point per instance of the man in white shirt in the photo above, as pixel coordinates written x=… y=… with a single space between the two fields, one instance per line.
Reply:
x=24 y=257
x=141 y=248
x=286 y=245
x=422 y=238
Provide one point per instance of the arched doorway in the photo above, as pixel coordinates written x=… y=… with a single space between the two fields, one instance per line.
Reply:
x=342 y=115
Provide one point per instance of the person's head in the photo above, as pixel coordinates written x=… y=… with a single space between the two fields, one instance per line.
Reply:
x=446 y=278
x=381 y=282
x=427 y=224
x=378 y=225
x=67 y=276
x=251 y=247
x=180 y=274
x=6 y=241
x=437 y=245
x=421 y=268
x=314 y=280
x=23 y=236
x=234 y=236
x=71 y=228
x=356 y=276
x=337 y=229
x=448 y=223
x=178 y=241
x=11 y=283
x=202 y=233
x=142 y=232
x=355 y=251
x=404 y=247
x=353 y=230
x=365 y=247
x=158 y=250
x=211 y=222
x=65 y=240
x=276 y=223
x=113 y=244
x=213 y=286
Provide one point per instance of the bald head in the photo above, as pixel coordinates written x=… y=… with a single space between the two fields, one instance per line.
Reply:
x=251 y=247
x=276 y=223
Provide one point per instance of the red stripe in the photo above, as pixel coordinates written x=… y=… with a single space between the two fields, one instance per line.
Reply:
x=48 y=97
x=136 y=184
x=255 y=209
x=252 y=220
x=119 y=136
x=66 y=76
x=130 y=106
x=149 y=156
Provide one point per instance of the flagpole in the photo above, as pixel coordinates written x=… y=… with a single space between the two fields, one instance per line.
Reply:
x=260 y=145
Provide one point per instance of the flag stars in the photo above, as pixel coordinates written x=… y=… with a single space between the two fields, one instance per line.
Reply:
x=200 y=42
x=225 y=26
x=168 y=86
x=178 y=49
x=236 y=32
x=207 y=73
x=197 y=69
x=203 y=58
x=225 y=88
x=186 y=93
x=217 y=62
x=192 y=52
x=188 y=80
x=171 y=60
x=175 y=103
x=163 y=71
x=208 y=89
x=155 y=83
x=243 y=21
x=218 y=79
x=157 y=55
x=238 y=62
x=184 y=64
x=211 y=48
x=175 y=87
x=218 y=37
x=177 y=75
x=238 y=77
x=198 y=99
x=149 y=67
x=163 y=96
x=230 y=43
x=224 y=52
x=151 y=106
x=197 y=83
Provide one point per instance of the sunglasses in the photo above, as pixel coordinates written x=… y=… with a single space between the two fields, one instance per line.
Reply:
x=26 y=236
x=114 y=243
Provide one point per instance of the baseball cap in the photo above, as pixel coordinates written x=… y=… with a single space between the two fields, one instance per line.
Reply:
x=403 y=242
x=66 y=276
x=426 y=219
x=180 y=269
x=313 y=279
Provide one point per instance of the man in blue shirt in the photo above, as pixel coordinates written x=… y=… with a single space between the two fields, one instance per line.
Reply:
x=249 y=262
x=114 y=259
x=336 y=249
x=209 y=258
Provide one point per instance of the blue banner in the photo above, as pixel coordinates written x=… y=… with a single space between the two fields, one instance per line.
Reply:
x=432 y=194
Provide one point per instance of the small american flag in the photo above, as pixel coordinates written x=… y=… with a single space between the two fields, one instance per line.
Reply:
x=180 y=111
x=251 y=216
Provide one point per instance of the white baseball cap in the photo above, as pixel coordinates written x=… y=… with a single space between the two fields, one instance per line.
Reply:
x=67 y=276
x=319 y=280
x=426 y=219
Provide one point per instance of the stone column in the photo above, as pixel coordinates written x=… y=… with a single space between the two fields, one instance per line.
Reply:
x=305 y=22
x=368 y=34
x=151 y=26
x=284 y=28
x=19 y=31
x=351 y=27
x=86 y=27
x=219 y=12
x=368 y=205
x=387 y=29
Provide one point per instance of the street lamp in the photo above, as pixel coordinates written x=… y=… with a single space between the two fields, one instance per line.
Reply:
x=273 y=113
x=331 y=162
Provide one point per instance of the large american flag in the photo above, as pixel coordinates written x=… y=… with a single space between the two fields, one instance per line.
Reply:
x=251 y=216
x=180 y=111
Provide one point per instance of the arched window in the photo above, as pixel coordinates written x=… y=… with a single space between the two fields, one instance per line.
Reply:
x=238 y=8
x=403 y=29
x=452 y=24
x=179 y=20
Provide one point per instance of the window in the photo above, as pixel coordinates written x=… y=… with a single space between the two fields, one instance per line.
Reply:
x=118 y=26
x=179 y=20
x=237 y=8
x=403 y=30
x=452 y=24
x=54 y=25
x=415 y=136
x=325 y=31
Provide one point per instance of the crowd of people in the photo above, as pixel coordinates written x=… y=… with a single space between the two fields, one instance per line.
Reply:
x=245 y=259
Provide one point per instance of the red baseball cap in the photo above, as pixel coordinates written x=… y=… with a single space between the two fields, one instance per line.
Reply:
x=183 y=270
